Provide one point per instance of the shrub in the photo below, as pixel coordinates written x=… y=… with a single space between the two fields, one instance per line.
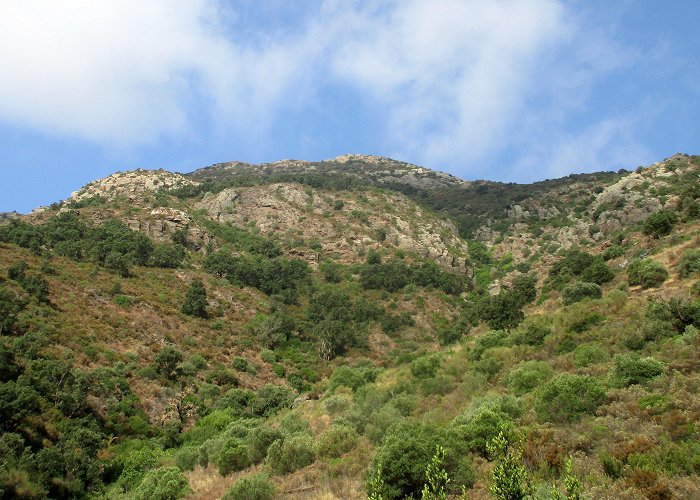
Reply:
x=631 y=369
x=259 y=440
x=10 y=307
x=659 y=224
x=532 y=334
x=271 y=398
x=426 y=366
x=187 y=458
x=580 y=291
x=352 y=377
x=477 y=428
x=17 y=271
x=37 y=286
x=589 y=354
x=403 y=456
x=167 y=360
x=233 y=456
x=166 y=483
x=336 y=441
x=253 y=487
x=195 y=303
x=598 y=272
x=647 y=273
x=288 y=455
x=528 y=376
x=689 y=263
x=494 y=338
x=568 y=398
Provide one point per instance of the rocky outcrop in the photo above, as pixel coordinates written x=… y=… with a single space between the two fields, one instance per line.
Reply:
x=303 y=218
x=131 y=185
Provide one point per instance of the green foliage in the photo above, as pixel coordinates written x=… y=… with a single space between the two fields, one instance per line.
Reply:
x=271 y=398
x=166 y=483
x=504 y=311
x=533 y=335
x=476 y=428
x=436 y=477
x=589 y=354
x=233 y=456
x=331 y=271
x=579 y=291
x=10 y=307
x=336 y=441
x=253 y=487
x=689 y=263
x=494 y=338
x=576 y=264
x=290 y=454
x=659 y=223
x=167 y=361
x=528 y=376
x=568 y=398
x=195 y=303
x=269 y=275
x=394 y=275
x=18 y=270
x=426 y=366
x=647 y=273
x=167 y=256
x=631 y=369
x=404 y=454
x=352 y=377
x=510 y=480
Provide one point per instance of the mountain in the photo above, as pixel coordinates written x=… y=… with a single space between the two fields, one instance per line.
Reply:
x=316 y=329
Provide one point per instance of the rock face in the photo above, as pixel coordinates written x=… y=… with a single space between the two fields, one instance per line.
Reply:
x=301 y=217
x=132 y=185
x=5 y=216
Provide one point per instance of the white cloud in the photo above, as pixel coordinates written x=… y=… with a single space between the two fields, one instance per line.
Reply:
x=129 y=71
x=454 y=81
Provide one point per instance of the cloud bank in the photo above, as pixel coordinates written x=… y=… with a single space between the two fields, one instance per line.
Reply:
x=453 y=82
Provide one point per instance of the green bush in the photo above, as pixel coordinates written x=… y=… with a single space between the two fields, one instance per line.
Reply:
x=689 y=263
x=632 y=369
x=167 y=361
x=253 y=487
x=336 y=441
x=195 y=303
x=660 y=223
x=647 y=273
x=528 y=376
x=568 y=398
x=477 y=428
x=580 y=291
x=589 y=354
x=166 y=483
x=494 y=338
x=10 y=307
x=533 y=335
x=270 y=399
x=259 y=440
x=187 y=458
x=288 y=455
x=352 y=377
x=426 y=366
x=403 y=455
x=233 y=456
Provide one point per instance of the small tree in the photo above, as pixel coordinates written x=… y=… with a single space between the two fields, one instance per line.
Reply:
x=510 y=479
x=195 y=300
x=436 y=477
x=659 y=224
x=167 y=361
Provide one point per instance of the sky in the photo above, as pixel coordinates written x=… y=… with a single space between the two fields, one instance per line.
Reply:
x=506 y=90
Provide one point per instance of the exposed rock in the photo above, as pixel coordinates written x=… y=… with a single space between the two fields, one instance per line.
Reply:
x=132 y=184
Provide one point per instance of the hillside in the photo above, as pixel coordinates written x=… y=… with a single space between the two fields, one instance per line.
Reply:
x=316 y=329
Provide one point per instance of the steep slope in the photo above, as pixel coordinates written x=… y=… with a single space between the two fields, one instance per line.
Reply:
x=344 y=327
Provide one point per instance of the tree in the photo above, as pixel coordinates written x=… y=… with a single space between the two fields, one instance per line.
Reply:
x=167 y=361
x=195 y=300
x=510 y=479
x=659 y=224
x=10 y=307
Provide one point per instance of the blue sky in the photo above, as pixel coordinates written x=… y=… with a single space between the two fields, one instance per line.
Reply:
x=510 y=90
